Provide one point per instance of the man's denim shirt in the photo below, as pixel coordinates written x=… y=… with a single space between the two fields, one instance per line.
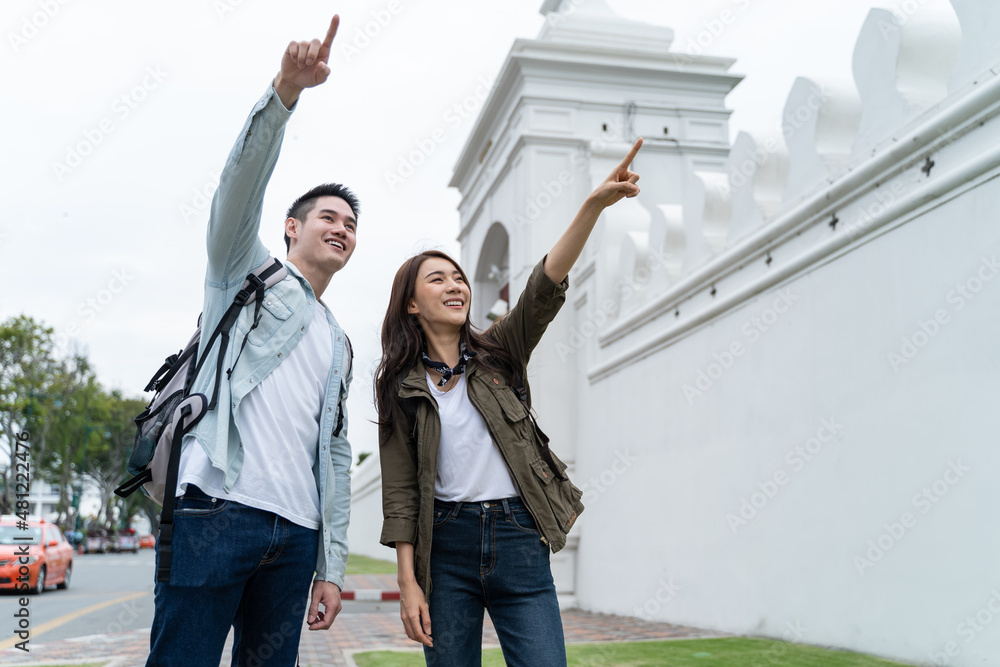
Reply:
x=234 y=250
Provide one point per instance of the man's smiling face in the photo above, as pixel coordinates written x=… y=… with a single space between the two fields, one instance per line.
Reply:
x=326 y=238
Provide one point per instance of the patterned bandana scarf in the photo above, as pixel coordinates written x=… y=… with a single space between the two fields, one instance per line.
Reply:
x=446 y=373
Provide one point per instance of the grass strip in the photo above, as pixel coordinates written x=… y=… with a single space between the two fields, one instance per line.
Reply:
x=724 y=652
x=357 y=564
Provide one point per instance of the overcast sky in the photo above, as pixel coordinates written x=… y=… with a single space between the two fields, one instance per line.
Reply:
x=120 y=114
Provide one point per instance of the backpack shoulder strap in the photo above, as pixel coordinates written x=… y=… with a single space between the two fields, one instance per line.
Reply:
x=270 y=273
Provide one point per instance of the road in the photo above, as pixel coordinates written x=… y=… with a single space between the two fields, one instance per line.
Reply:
x=109 y=593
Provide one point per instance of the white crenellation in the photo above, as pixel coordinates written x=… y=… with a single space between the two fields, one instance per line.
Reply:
x=667 y=241
x=901 y=67
x=758 y=170
x=618 y=226
x=650 y=261
x=614 y=227
x=707 y=212
x=980 y=51
x=635 y=271
x=820 y=122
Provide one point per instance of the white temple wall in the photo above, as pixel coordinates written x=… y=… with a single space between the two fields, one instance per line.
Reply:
x=680 y=466
x=767 y=357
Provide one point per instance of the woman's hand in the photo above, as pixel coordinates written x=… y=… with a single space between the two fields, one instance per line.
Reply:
x=620 y=183
x=415 y=613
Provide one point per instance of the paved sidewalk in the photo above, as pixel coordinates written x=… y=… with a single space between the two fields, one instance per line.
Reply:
x=350 y=634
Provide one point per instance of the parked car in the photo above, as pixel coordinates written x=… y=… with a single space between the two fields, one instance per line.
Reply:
x=95 y=543
x=49 y=558
x=147 y=542
x=126 y=542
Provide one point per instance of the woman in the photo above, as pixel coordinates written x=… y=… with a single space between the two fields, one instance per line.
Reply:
x=472 y=498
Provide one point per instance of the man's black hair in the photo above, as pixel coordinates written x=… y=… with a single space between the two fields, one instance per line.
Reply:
x=301 y=207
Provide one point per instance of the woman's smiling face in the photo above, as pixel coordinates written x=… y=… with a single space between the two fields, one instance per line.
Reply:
x=440 y=295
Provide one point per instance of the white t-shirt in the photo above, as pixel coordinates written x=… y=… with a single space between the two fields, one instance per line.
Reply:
x=279 y=427
x=470 y=467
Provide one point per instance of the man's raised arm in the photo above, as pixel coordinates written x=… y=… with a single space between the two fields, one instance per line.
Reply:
x=234 y=222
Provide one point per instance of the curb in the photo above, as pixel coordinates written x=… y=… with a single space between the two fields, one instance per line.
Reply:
x=369 y=595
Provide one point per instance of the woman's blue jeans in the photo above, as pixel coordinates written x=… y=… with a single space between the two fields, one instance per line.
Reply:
x=233 y=566
x=489 y=555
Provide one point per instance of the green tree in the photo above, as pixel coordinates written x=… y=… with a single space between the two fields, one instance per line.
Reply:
x=107 y=463
x=27 y=365
x=76 y=429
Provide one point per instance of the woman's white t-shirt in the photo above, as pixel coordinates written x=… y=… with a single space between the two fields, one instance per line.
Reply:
x=470 y=468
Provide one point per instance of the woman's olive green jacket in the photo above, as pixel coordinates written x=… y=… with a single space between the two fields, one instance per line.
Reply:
x=409 y=458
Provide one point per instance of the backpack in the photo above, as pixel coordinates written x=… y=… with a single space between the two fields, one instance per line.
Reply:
x=174 y=410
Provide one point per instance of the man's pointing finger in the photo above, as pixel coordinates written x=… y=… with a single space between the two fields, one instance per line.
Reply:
x=332 y=32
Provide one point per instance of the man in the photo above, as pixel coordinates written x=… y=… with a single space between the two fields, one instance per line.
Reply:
x=263 y=485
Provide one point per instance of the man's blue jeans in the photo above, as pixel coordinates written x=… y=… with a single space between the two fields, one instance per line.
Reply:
x=236 y=566
x=489 y=555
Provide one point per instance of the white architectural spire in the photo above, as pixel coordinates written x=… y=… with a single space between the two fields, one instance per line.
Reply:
x=581 y=7
x=593 y=23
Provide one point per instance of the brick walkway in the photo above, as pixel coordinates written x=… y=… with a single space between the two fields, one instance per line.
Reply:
x=350 y=633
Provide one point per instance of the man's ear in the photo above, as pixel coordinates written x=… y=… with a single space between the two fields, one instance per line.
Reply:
x=292 y=228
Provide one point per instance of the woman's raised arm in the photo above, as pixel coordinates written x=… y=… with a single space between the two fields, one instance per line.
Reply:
x=619 y=184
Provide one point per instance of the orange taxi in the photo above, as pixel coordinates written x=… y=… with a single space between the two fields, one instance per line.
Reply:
x=37 y=555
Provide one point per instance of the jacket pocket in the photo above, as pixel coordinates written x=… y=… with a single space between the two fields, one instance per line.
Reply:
x=512 y=408
x=563 y=496
x=273 y=314
x=542 y=471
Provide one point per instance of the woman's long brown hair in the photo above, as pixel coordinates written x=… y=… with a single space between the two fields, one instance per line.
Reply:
x=403 y=340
